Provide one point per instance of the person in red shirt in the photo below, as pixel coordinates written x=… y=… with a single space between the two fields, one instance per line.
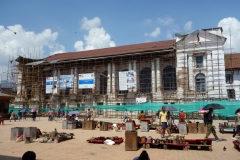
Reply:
x=181 y=116
x=1 y=118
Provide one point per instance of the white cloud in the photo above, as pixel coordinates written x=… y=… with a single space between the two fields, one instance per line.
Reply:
x=147 y=21
x=166 y=20
x=234 y=25
x=154 y=33
x=89 y=24
x=188 y=26
x=15 y=40
x=169 y=34
x=96 y=38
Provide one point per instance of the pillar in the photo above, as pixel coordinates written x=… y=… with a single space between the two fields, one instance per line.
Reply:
x=113 y=79
x=190 y=71
x=129 y=66
x=153 y=77
x=75 y=82
x=109 y=79
x=158 y=75
x=135 y=75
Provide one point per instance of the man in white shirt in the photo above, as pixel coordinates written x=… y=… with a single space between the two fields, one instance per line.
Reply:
x=125 y=115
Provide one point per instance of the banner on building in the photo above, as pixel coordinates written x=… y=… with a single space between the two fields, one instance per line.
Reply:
x=86 y=81
x=66 y=81
x=126 y=80
x=141 y=100
x=51 y=84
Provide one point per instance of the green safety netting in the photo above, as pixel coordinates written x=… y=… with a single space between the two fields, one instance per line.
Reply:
x=230 y=107
x=15 y=110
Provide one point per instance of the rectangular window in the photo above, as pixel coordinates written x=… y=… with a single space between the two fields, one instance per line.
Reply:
x=229 y=78
x=199 y=61
x=231 y=93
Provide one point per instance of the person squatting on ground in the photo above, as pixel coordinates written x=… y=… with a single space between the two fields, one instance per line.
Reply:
x=163 y=120
x=1 y=118
x=208 y=120
x=237 y=123
x=29 y=155
x=143 y=156
x=125 y=115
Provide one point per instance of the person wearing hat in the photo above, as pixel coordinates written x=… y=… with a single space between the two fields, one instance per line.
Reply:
x=181 y=116
x=237 y=123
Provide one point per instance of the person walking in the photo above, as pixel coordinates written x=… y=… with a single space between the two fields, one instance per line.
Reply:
x=62 y=115
x=50 y=115
x=208 y=118
x=19 y=115
x=1 y=118
x=237 y=123
x=163 y=121
x=58 y=114
x=125 y=115
x=34 y=115
x=88 y=114
x=12 y=117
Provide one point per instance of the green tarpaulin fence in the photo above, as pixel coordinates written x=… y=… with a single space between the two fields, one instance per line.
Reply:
x=229 y=111
x=15 y=110
x=230 y=107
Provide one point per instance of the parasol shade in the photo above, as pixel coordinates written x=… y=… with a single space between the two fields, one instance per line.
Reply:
x=74 y=112
x=33 y=110
x=237 y=110
x=170 y=108
x=213 y=106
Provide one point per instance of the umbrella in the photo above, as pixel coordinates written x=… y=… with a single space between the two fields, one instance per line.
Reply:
x=23 y=110
x=170 y=108
x=237 y=110
x=213 y=106
x=33 y=110
x=74 y=112
x=202 y=111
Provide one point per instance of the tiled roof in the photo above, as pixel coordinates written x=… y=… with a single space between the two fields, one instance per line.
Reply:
x=119 y=50
x=3 y=95
x=232 y=60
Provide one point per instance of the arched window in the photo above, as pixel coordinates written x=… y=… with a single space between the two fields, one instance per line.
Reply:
x=103 y=82
x=145 y=80
x=200 y=83
x=123 y=92
x=169 y=79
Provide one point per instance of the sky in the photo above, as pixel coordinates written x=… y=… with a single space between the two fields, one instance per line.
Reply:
x=40 y=28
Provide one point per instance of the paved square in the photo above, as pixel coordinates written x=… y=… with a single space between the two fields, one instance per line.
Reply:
x=78 y=148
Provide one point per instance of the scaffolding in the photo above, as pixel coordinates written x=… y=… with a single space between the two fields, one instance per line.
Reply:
x=190 y=71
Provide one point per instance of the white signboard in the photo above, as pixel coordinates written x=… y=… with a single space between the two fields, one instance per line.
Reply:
x=86 y=81
x=66 y=81
x=141 y=100
x=126 y=80
x=51 y=84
